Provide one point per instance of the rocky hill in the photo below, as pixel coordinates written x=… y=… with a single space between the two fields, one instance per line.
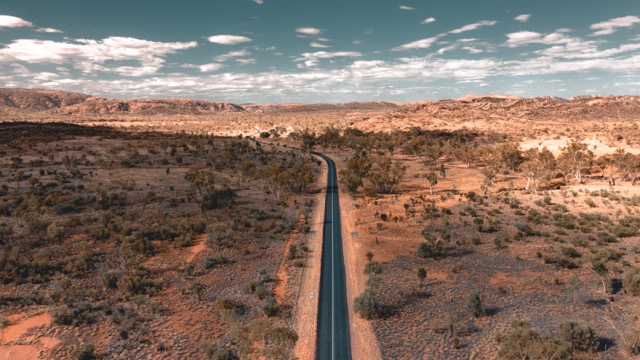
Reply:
x=310 y=108
x=500 y=109
x=68 y=103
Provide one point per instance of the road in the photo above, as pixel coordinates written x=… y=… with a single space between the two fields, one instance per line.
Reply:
x=333 y=317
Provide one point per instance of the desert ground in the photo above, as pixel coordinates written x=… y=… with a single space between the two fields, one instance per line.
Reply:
x=482 y=227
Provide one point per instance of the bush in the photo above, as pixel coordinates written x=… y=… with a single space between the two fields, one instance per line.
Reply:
x=570 y=252
x=367 y=306
x=85 y=352
x=631 y=282
x=523 y=342
x=212 y=351
x=271 y=307
x=475 y=305
x=228 y=303
x=580 y=335
x=373 y=268
x=426 y=250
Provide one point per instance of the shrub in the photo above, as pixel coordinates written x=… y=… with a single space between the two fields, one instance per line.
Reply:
x=85 y=352
x=271 y=307
x=580 y=335
x=523 y=342
x=631 y=281
x=212 y=351
x=367 y=306
x=570 y=252
x=373 y=268
x=475 y=305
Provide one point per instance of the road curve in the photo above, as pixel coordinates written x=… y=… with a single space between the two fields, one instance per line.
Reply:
x=333 y=340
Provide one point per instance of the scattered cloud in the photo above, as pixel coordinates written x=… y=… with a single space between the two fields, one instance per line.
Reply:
x=246 y=61
x=473 y=26
x=405 y=7
x=49 y=30
x=308 y=31
x=232 y=54
x=418 y=44
x=611 y=26
x=210 y=67
x=523 y=18
x=311 y=59
x=90 y=55
x=259 y=2
x=428 y=20
x=319 y=45
x=228 y=39
x=13 y=22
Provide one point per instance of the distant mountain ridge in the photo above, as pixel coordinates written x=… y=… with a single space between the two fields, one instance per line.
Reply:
x=70 y=103
x=512 y=109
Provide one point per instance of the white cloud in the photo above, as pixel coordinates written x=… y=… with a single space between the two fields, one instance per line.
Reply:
x=311 y=59
x=318 y=45
x=308 y=31
x=473 y=26
x=259 y=2
x=611 y=26
x=228 y=39
x=232 y=54
x=210 y=67
x=405 y=7
x=428 y=20
x=246 y=61
x=90 y=55
x=49 y=30
x=523 y=18
x=13 y=22
x=522 y=38
x=418 y=44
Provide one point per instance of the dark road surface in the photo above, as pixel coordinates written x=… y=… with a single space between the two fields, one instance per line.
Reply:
x=333 y=317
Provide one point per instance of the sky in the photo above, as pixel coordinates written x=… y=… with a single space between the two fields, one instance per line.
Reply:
x=259 y=51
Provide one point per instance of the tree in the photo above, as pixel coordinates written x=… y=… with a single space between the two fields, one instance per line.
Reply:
x=537 y=168
x=432 y=179
x=385 y=175
x=580 y=335
x=352 y=177
x=511 y=156
x=475 y=304
x=202 y=189
x=367 y=306
x=573 y=158
x=308 y=140
x=489 y=179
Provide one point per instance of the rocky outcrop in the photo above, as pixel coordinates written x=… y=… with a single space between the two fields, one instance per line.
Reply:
x=69 y=103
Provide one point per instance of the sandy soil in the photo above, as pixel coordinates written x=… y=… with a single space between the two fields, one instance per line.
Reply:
x=27 y=346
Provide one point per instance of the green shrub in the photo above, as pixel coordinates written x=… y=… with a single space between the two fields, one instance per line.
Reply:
x=85 y=352
x=475 y=305
x=523 y=342
x=367 y=306
x=580 y=335
x=212 y=351
x=631 y=281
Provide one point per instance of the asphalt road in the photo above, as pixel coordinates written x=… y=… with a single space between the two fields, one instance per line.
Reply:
x=333 y=317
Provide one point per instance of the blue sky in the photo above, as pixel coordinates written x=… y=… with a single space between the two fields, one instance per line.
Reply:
x=321 y=51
